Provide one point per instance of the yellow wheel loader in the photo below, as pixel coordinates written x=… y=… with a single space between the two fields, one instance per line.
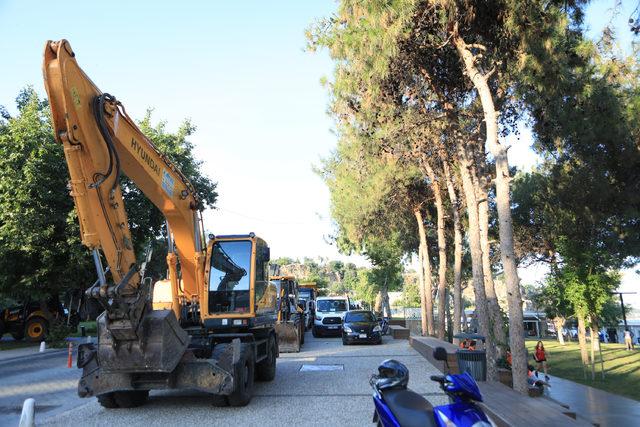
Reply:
x=211 y=325
x=291 y=317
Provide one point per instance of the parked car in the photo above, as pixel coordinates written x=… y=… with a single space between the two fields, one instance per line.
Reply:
x=361 y=326
x=329 y=314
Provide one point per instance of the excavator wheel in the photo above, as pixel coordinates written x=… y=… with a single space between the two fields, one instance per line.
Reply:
x=266 y=369
x=2 y=330
x=243 y=378
x=301 y=334
x=36 y=329
x=123 y=399
x=107 y=400
x=131 y=399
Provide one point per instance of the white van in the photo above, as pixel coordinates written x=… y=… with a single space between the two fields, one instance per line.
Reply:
x=329 y=314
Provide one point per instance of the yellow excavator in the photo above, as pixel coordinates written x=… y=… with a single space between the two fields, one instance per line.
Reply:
x=211 y=325
x=290 y=326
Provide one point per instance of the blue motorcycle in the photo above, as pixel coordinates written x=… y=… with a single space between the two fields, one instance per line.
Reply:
x=397 y=406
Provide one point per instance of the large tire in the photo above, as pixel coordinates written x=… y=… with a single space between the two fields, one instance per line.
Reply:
x=243 y=379
x=2 y=329
x=123 y=399
x=107 y=400
x=301 y=335
x=36 y=329
x=266 y=369
x=131 y=399
x=314 y=332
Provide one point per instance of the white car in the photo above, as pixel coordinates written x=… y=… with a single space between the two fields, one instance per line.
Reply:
x=329 y=314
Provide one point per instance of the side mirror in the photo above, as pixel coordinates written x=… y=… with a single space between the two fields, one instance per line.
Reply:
x=440 y=354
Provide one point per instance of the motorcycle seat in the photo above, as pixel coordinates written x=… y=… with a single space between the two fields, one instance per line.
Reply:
x=409 y=408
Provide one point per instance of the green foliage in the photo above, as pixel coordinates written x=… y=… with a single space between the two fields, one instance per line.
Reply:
x=57 y=334
x=40 y=252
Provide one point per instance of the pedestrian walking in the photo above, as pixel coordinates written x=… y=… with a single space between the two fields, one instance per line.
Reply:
x=628 y=340
x=540 y=356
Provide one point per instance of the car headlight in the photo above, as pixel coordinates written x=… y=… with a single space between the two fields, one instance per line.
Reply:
x=347 y=329
x=377 y=329
x=318 y=318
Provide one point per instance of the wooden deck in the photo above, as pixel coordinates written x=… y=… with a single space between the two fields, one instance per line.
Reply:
x=508 y=408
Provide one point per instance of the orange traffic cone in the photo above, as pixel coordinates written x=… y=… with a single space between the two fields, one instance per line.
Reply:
x=70 y=358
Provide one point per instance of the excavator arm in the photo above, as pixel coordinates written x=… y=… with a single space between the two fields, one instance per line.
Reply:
x=101 y=142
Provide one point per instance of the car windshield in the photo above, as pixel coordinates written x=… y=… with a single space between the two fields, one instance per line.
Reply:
x=365 y=316
x=332 y=305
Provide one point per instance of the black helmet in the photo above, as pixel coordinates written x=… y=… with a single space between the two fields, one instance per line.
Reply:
x=391 y=375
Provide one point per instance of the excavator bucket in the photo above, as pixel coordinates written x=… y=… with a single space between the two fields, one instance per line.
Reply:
x=161 y=345
x=290 y=335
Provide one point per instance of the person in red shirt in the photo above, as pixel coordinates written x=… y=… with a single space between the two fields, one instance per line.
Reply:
x=540 y=356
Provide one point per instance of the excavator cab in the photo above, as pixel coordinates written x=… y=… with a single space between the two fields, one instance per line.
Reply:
x=239 y=293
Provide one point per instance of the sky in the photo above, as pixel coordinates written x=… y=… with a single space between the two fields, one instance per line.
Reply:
x=239 y=71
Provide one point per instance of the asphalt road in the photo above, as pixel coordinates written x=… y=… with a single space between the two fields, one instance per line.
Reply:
x=296 y=397
x=43 y=376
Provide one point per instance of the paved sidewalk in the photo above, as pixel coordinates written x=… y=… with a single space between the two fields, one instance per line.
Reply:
x=297 y=396
x=598 y=406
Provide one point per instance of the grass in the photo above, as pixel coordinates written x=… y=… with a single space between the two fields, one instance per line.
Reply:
x=621 y=367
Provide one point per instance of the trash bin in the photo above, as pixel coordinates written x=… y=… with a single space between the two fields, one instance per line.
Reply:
x=473 y=361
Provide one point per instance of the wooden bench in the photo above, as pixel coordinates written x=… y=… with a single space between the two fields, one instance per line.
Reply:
x=509 y=408
x=399 y=332
x=426 y=345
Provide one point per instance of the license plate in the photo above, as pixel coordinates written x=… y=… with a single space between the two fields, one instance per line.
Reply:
x=333 y=327
x=362 y=335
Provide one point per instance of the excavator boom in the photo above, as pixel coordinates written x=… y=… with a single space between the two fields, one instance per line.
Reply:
x=101 y=142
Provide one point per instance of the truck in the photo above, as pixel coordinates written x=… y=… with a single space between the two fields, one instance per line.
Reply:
x=329 y=315
x=210 y=325
x=290 y=326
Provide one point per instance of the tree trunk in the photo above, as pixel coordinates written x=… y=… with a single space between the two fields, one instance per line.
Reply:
x=457 y=250
x=495 y=316
x=558 y=322
x=582 y=340
x=442 y=245
x=476 y=262
x=425 y=264
x=503 y=203
x=424 y=313
x=592 y=360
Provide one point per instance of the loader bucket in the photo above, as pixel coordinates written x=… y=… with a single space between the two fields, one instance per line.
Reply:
x=288 y=333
